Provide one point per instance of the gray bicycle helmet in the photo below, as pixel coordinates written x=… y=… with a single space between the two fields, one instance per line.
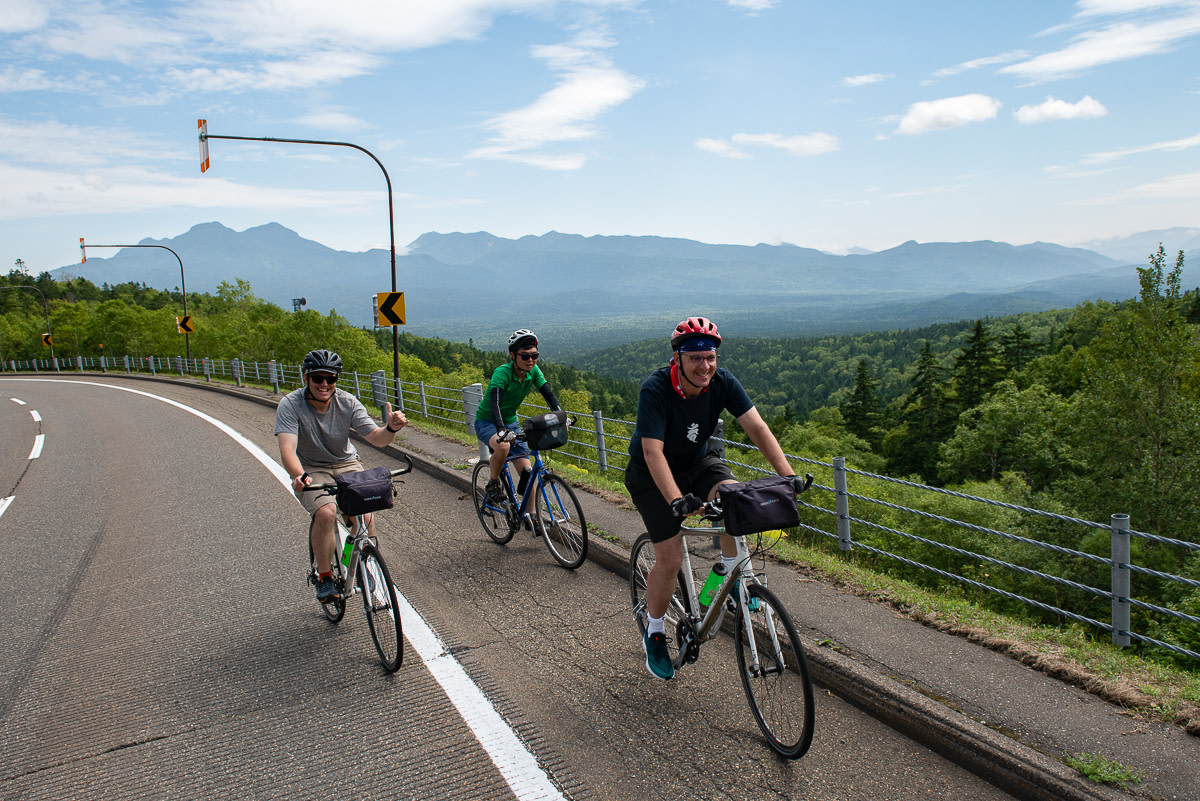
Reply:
x=521 y=338
x=322 y=361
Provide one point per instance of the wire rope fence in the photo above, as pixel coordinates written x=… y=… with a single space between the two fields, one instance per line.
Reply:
x=1023 y=561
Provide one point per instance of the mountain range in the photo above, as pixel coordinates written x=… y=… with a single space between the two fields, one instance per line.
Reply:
x=590 y=291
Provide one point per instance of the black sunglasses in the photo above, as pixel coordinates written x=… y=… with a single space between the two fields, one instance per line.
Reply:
x=323 y=379
x=529 y=357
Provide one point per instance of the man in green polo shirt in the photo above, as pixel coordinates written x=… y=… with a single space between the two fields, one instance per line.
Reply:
x=496 y=421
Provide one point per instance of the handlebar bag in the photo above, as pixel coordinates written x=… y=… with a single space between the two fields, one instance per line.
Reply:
x=365 y=491
x=545 y=432
x=764 y=504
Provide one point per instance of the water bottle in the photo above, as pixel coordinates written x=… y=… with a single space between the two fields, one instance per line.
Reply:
x=347 y=549
x=712 y=584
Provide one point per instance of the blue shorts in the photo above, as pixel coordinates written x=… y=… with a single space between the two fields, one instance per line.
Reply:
x=486 y=429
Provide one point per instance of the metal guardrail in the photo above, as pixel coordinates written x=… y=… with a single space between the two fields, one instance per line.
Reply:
x=589 y=448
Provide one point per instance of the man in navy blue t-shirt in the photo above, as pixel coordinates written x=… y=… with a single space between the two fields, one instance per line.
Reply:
x=671 y=472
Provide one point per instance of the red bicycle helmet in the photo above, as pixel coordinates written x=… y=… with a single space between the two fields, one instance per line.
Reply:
x=694 y=327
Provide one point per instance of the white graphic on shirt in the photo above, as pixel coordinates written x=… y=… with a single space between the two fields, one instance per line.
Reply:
x=693 y=432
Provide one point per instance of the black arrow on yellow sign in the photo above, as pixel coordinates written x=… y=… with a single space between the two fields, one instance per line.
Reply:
x=389 y=308
x=48 y=340
x=185 y=325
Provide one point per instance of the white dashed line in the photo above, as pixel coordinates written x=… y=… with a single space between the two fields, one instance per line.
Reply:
x=18 y=400
x=37 y=418
x=38 y=441
x=4 y=502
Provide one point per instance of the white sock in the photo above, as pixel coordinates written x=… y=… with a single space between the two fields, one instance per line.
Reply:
x=656 y=625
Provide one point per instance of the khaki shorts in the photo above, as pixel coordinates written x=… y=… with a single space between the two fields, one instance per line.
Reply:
x=314 y=499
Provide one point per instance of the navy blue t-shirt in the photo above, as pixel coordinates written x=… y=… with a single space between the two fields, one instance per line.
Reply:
x=683 y=425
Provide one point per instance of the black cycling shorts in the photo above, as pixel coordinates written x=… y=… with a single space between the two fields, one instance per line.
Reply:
x=656 y=513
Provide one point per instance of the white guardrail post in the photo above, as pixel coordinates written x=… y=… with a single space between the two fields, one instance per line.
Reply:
x=841 y=503
x=472 y=397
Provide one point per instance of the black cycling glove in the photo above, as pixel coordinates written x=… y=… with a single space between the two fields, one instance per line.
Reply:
x=688 y=504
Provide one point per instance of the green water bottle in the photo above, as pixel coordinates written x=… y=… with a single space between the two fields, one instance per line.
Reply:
x=712 y=584
x=347 y=550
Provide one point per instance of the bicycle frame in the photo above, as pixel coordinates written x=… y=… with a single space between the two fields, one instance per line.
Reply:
x=537 y=468
x=360 y=535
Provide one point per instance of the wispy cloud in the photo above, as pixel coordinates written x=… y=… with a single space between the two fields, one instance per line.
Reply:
x=1170 y=146
x=950 y=112
x=312 y=70
x=54 y=143
x=333 y=120
x=977 y=63
x=754 y=5
x=810 y=145
x=1119 y=41
x=590 y=85
x=1185 y=186
x=863 y=80
x=1055 y=109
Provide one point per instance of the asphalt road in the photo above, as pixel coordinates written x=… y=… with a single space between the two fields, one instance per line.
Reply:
x=162 y=641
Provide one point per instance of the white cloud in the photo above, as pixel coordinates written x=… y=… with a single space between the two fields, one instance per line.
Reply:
x=1117 y=42
x=1185 y=186
x=987 y=61
x=316 y=69
x=1170 y=146
x=1055 y=109
x=863 y=80
x=20 y=16
x=950 y=112
x=52 y=142
x=333 y=120
x=810 y=145
x=590 y=86
x=753 y=5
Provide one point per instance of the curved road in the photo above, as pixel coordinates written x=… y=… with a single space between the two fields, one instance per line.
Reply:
x=162 y=641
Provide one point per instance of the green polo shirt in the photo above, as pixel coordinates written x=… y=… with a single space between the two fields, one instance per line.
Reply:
x=512 y=391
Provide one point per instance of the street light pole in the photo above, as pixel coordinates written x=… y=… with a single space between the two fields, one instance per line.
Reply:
x=45 y=307
x=205 y=136
x=187 y=342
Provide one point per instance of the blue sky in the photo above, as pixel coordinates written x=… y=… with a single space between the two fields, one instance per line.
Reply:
x=826 y=125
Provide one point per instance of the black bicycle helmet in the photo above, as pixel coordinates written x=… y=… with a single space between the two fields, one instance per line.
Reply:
x=521 y=338
x=322 y=361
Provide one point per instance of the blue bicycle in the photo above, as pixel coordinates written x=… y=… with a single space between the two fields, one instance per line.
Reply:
x=548 y=507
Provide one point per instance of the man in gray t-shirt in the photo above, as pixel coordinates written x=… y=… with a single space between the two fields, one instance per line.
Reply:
x=313 y=426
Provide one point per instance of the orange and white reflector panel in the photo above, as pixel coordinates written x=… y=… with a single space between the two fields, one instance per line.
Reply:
x=203 y=126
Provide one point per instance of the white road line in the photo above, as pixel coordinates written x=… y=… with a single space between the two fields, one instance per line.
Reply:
x=518 y=767
x=18 y=400
x=38 y=442
x=4 y=502
x=37 y=418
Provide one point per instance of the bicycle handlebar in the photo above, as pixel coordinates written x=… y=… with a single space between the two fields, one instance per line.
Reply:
x=332 y=488
x=711 y=510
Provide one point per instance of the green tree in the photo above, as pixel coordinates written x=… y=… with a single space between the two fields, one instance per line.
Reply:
x=862 y=410
x=1017 y=347
x=977 y=367
x=926 y=419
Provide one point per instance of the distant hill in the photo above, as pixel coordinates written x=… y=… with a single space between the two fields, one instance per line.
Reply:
x=582 y=291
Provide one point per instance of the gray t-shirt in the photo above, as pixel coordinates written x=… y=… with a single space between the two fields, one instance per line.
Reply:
x=323 y=439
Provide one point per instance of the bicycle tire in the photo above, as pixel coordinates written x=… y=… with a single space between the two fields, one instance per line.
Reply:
x=493 y=519
x=641 y=560
x=382 y=607
x=780 y=691
x=334 y=609
x=559 y=519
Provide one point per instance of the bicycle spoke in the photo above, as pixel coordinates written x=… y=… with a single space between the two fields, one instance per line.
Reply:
x=493 y=517
x=380 y=603
x=560 y=522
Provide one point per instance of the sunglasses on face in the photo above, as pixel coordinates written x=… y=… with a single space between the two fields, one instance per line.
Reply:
x=529 y=357
x=323 y=379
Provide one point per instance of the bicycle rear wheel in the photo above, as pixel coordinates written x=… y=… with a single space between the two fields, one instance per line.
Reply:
x=383 y=611
x=777 y=684
x=559 y=519
x=641 y=561
x=493 y=517
x=336 y=607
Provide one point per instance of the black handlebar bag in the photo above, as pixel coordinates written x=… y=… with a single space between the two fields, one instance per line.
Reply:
x=545 y=432
x=364 y=491
x=764 y=504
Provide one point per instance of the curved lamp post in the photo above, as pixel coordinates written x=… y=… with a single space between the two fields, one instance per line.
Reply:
x=187 y=342
x=204 y=163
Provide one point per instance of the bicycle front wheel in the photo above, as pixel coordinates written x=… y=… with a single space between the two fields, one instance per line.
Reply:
x=775 y=673
x=560 y=522
x=492 y=516
x=383 y=609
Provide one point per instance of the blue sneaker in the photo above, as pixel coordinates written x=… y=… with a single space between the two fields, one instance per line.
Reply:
x=658 y=661
x=326 y=590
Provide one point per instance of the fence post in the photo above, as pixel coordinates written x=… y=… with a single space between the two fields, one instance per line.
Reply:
x=1120 y=579
x=421 y=390
x=273 y=376
x=601 y=455
x=153 y=367
x=379 y=388
x=472 y=397
x=841 y=503
x=79 y=363
x=399 y=395
x=357 y=388
x=237 y=372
